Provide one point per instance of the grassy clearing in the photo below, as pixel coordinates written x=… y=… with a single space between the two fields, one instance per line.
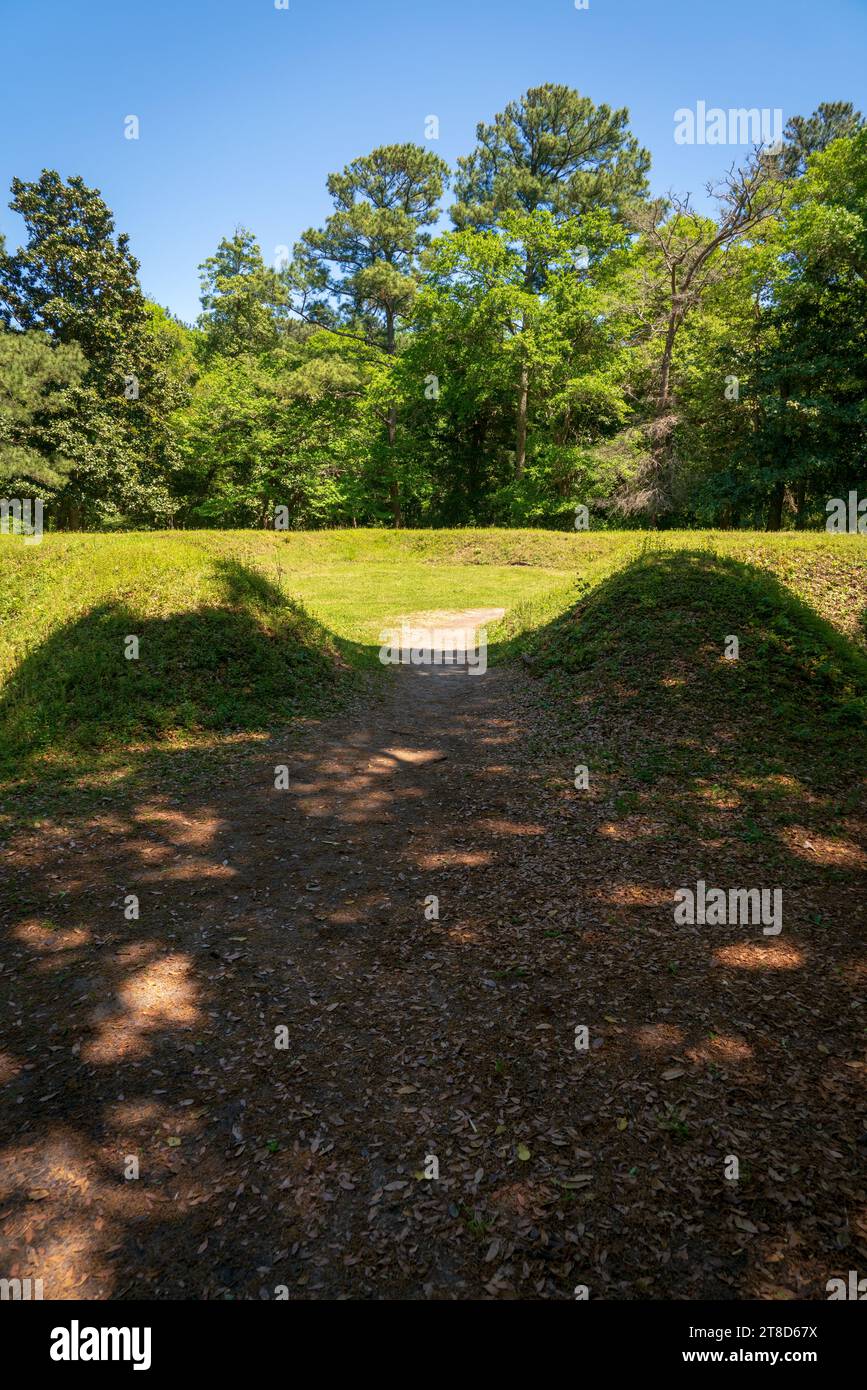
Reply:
x=559 y=900
x=352 y=582
x=244 y=632
x=239 y=634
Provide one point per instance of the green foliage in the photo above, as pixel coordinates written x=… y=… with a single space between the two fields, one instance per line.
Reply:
x=242 y=299
x=568 y=344
x=77 y=281
x=791 y=327
x=478 y=327
x=365 y=259
x=283 y=429
x=74 y=279
x=34 y=379
x=220 y=647
x=551 y=150
x=808 y=135
x=669 y=610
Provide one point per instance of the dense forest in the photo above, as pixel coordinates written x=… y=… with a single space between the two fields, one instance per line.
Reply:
x=570 y=341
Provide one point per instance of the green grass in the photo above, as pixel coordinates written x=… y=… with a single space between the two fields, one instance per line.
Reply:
x=353 y=582
x=697 y=746
x=668 y=611
x=242 y=632
x=220 y=648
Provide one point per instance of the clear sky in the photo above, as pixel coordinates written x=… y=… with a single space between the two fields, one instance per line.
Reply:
x=244 y=109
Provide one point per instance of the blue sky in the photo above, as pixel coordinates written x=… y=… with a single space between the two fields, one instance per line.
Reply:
x=245 y=109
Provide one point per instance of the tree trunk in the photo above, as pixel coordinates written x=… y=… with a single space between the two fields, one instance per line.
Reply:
x=664 y=398
x=660 y=450
x=775 y=510
x=521 y=435
x=778 y=492
x=69 y=518
x=800 y=504
x=394 y=486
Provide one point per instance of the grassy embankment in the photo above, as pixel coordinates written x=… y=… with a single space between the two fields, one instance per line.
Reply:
x=241 y=633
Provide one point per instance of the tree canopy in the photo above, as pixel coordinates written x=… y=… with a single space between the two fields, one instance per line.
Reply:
x=570 y=341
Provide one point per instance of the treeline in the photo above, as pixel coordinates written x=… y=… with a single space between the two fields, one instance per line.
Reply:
x=570 y=341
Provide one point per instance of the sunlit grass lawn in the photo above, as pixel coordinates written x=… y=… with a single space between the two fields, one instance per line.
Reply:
x=355 y=581
x=358 y=602
x=244 y=632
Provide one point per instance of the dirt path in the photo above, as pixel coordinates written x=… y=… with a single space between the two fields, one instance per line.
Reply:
x=410 y=1035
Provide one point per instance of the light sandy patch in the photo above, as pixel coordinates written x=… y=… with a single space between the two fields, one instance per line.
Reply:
x=454 y=617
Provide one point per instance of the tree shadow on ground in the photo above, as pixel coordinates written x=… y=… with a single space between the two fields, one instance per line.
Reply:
x=252 y=661
x=409 y=1034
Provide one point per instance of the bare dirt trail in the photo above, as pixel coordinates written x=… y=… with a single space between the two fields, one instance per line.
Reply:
x=407 y=1032
x=260 y=909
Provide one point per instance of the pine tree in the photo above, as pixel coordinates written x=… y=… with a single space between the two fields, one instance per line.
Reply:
x=358 y=275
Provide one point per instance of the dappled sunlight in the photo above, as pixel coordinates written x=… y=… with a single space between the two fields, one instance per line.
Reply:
x=761 y=955
x=72 y=1252
x=721 y=798
x=159 y=997
x=637 y=895
x=450 y=1031
x=630 y=829
x=659 y=1037
x=56 y=1231
x=354 y=908
x=135 y=1114
x=380 y=765
x=134 y=954
x=463 y=935
x=195 y=831
x=824 y=849
x=46 y=937
x=417 y=757
x=9 y=1068
x=456 y=858
x=349 y=915
x=497 y=825
x=721 y=1049
x=171 y=842
x=191 y=868
x=777 y=786
x=357 y=803
x=311 y=789
x=774 y=783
